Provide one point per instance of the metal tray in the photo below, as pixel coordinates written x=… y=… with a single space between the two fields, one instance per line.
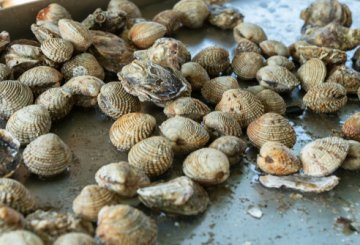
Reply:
x=287 y=219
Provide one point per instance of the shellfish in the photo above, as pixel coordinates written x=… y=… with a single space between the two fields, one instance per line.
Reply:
x=356 y=60
x=187 y=107
x=57 y=49
x=131 y=10
x=20 y=237
x=272 y=47
x=4 y=72
x=219 y=123
x=42 y=32
x=144 y=34
x=193 y=12
x=345 y=76
x=75 y=238
x=272 y=101
x=249 y=31
x=329 y=56
x=52 y=13
x=10 y=155
x=247 y=64
x=212 y=90
x=10 y=219
x=171 y=19
x=311 y=73
x=351 y=127
x=224 y=17
x=76 y=33
x=352 y=160
x=280 y=61
x=214 y=59
x=233 y=147
x=245 y=45
x=195 y=74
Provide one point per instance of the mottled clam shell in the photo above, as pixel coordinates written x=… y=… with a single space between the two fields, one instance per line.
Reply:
x=352 y=160
x=242 y=105
x=345 y=76
x=75 y=33
x=20 y=237
x=213 y=89
x=328 y=55
x=75 y=238
x=131 y=10
x=185 y=134
x=271 y=127
x=245 y=45
x=4 y=72
x=233 y=147
x=187 y=107
x=130 y=129
x=351 y=127
x=280 y=61
x=144 y=34
x=41 y=32
x=311 y=73
x=10 y=219
x=249 y=31
x=16 y=196
x=207 y=166
x=23 y=55
x=272 y=47
x=52 y=13
x=325 y=98
x=154 y=156
x=323 y=156
x=171 y=19
x=123 y=224
x=29 y=123
x=224 y=17
x=247 y=64
x=57 y=49
x=277 y=159
x=193 y=12
x=195 y=74
x=272 y=101
x=10 y=156
x=219 y=123
x=214 y=59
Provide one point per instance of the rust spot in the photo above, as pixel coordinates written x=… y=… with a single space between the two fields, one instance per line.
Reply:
x=220 y=175
x=269 y=159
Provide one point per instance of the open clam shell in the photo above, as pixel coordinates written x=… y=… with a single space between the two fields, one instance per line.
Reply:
x=10 y=155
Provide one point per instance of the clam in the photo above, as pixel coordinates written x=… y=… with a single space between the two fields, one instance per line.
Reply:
x=207 y=166
x=4 y=40
x=329 y=56
x=351 y=127
x=16 y=196
x=247 y=64
x=123 y=224
x=144 y=34
x=245 y=45
x=75 y=33
x=249 y=31
x=233 y=147
x=213 y=89
x=20 y=237
x=171 y=19
x=311 y=73
x=256 y=89
x=277 y=159
x=29 y=123
x=14 y=96
x=178 y=196
x=325 y=98
x=323 y=156
x=130 y=129
x=153 y=156
x=52 y=13
x=356 y=60
x=352 y=160
x=195 y=74
x=272 y=47
x=224 y=17
x=345 y=76
x=272 y=101
x=271 y=127
x=280 y=61
x=131 y=10
x=214 y=59
x=41 y=32
x=185 y=134
x=10 y=155
x=121 y=178
x=130 y=23
x=242 y=105
x=57 y=49
x=75 y=238
x=187 y=107
x=5 y=72
x=193 y=12
x=219 y=123
x=10 y=219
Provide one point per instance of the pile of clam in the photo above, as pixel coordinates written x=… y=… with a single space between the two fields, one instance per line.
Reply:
x=73 y=63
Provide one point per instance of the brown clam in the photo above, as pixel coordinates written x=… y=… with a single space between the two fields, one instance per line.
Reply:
x=214 y=59
x=75 y=238
x=10 y=219
x=233 y=147
x=213 y=89
x=144 y=34
x=224 y=17
x=247 y=64
x=131 y=10
x=352 y=160
x=187 y=107
x=20 y=237
x=280 y=61
x=4 y=72
x=272 y=101
x=345 y=76
x=10 y=156
x=219 y=123
x=75 y=33
x=52 y=13
x=195 y=74
x=171 y=19
x=245 y=45
x=249 y=31
x=329 y=56
x=351 y=127
x=193 y=12
x=57 y=49
x=311 y=73
x=272 y=47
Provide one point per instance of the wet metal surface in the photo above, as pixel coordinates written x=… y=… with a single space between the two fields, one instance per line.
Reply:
x=287 y=217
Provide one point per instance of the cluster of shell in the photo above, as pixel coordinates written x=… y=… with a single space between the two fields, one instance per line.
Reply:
x=67 y=66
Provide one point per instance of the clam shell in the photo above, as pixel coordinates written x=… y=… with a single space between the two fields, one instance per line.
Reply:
x=29 y=123
x=4 y=72
x=207 y=166
x=57 y=49
x=195 y=74
x=20 y=237
x=187 y=107
x=114 y=101
x=255 y=89
x=131 y=10
x=247 y=64
x=144 y=34
x=123 y=224
x=271 y=127
x=323 y=156
x=345 y=76
x=171 y=19
x=16 y=196
x=213 y=89
x=52 y=13
x=325 y=98
x=249 y=31
x=272 y=101
x=219 y=123
x=10 y=155
x=75 y=238
x=356 y=59
x=233 y=147
x=186 y=134
x=277 y=159
x=352 y=160
x=245 y=45
x=351 y=127
x=214 y=59
x=14 y=96
x=242 y=105
x=328 y=55
x=193 y=12
x=4 y=40
x=179 y=196
x=153 y=156
x=272 y=47
x=41 y=32
x=280 y=61
x=10 y=219
x=130 y=129
x=311 y=73
x=75 y=33
x=224 y=17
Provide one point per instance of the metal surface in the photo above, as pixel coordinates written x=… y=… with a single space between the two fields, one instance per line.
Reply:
x=287 y=218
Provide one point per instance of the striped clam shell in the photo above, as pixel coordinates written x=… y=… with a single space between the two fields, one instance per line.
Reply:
x=247 y=64
x=245 y=45
x=345 y=76
x=280 y=61
x=233 y=147
x=214 y=59
x=213 y=89
x=57 y=49
x=351 y=127
x=75 y=33
x=144 y=34
x=219 y=123
x=187 y=107
x=195 y=74
x=193 y=12
x=272 y=47
x=249 y=31
x=311 y=73
x=272 y=101
x=20 y=237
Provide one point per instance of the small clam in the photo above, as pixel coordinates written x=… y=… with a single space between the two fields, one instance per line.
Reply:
x=247 y=64
x=351 y=127
x=280 y=61
x=131 y=10
x=207 y=166
x=123 y=224
x=195 y=74
x=277 y=78
x=352 y=160
x=10 y=219
x=213 y=89
x=144 y=34
x=233 y=147
x=249 y=31
x=4 y=72
x=171 y=19
x=75 y=238
x=193 y=12
x=323 y=156
x=10 y=155
x=311 y=73
x=4 y=40
x=219 y=123
x=91 y=199
x=328 y=55
x=325 y=98
x=345 y=76
x=20 y=237
x=57 y=49
x=130 y=129
x=16 y=196
x=187 y=107
x=75 y=33
x=242 y=105
x=22 y=56
x=245 y=45
x=275 y=158
x=224 y=17
x=271 y=127
x=179 y=196
x=272 y=47
x=52 y=13
x=186 y=134
x=29 y=123
x=41 y=32
x=214 y=59
x=272 y=101
x=153 y=156
x=356 y=60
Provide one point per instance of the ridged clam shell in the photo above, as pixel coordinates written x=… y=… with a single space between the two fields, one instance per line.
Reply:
x=272 y=47
x=311 y=73
x=29 y=123
x=219 y=123
x=193 y=12
x=47 y=155
x=114 y=101
x=224 y=17
x=345 y=76
x=277 y=159
x=57 y=49
x=325 y=98
x=323 y=156
x=245 y=45
x=246 y=64
x=41 y=32
x=272 y=101
x=10 y=155
x=16 y=196
x=187 y=107
x=154 y=156
x=214 y=59
x=328 y=55
x=352 y=160
x=131 y=10
x=249 y=31
x=91 y=199
x=280 y=61
x=75 y=33
x=242 y=105
x=10 y=219
x=351 y=127
x=195 y=74
x=14 y=96
x=123 y=224
x=271 y=127
x=75 y=238
x=233 y=147
x=213 y=89
x=171 y=19
x=179 y=196
x=186 y=134
x=130 y=129
x=207 y=166
x=52 y=13
x=4 y=72
x=144 y=34
x=20 y=237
